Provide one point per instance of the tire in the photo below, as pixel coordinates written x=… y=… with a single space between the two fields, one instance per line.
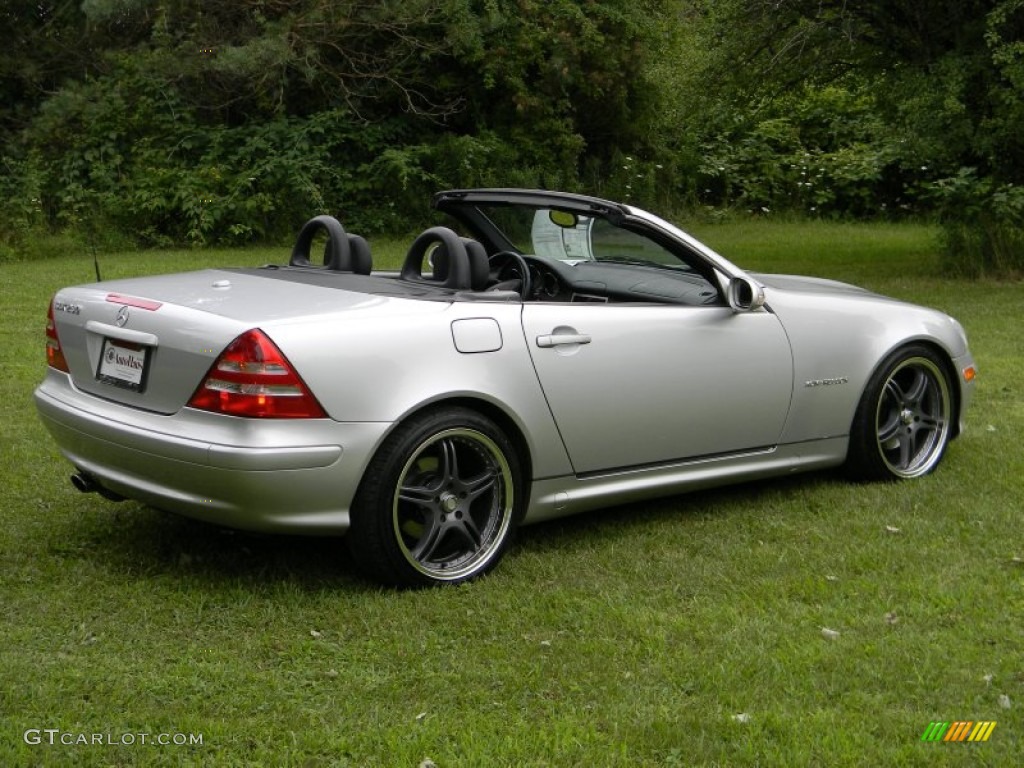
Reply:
x=903 y=422
x=439 y=502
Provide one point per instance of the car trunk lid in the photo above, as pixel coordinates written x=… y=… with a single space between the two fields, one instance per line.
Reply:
x=148 y=342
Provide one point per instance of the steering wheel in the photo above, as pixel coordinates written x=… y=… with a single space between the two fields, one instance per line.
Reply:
x=501 y=261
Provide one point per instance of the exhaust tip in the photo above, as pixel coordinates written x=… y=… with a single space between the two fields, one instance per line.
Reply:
x=83 y=482
x=86 y=484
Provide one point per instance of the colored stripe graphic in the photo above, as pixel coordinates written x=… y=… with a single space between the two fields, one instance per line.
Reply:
x=959 y=730
x=982 y=731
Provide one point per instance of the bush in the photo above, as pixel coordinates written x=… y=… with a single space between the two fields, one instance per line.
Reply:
x=983 y=249
x=819 y=151
x=982 y=224
x=121 y=157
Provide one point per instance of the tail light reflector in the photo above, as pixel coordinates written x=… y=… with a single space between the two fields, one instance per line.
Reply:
x=252 y=378
x=134 y=301
x=54 y=354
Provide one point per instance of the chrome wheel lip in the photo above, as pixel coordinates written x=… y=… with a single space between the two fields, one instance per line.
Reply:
x=452 y=505
x=913 y=422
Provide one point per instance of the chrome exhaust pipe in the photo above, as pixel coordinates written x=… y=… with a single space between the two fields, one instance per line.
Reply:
x=86 y=484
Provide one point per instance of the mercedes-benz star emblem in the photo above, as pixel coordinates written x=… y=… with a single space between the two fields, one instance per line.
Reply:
x=122 y=317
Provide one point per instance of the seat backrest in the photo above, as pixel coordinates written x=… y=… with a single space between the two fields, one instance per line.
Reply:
x=479 y=266
x=361 y=261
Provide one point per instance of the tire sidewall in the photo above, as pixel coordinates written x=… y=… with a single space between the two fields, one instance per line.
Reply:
x=865 y=460
x=373 y=540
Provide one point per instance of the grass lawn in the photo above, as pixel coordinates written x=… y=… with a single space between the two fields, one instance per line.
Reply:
x=682 y=632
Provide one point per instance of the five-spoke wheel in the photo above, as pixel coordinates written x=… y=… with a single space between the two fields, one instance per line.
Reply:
x=440 y=501
x=904 y=420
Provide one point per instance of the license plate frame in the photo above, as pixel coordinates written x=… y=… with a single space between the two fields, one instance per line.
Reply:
x=123 y=364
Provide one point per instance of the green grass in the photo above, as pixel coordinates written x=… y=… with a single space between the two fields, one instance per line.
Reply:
x=628 y=637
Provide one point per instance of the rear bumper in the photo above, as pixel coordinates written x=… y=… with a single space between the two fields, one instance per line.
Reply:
x=283 y=475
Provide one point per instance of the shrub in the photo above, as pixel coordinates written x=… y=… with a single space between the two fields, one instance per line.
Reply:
x=982 y=225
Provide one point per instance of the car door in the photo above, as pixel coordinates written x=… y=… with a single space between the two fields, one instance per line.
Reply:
x=639 y=384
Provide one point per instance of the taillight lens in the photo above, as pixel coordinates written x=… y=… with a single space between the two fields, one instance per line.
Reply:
x=54 y=354
x=252 y=378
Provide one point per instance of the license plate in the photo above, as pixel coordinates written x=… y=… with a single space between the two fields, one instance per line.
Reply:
x=123 y=364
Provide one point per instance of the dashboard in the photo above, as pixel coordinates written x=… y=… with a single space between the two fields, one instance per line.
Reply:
x=593 y=281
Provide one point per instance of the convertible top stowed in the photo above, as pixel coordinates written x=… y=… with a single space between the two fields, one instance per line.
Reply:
x=536 y=355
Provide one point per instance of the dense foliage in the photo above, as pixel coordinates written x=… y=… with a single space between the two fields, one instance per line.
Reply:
x=235 y=120
x=871 y=108
x=177 y=121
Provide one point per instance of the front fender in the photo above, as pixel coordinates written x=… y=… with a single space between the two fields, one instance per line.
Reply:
x=839 y=341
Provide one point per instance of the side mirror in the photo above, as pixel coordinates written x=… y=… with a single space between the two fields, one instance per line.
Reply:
x=745 y=295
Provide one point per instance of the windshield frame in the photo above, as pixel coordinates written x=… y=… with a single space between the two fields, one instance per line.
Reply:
x=464 y=206
x=563 y=233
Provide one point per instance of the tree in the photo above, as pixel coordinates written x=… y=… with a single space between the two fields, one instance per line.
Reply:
x=178 y=120
x=42 y=49
x=946 y=75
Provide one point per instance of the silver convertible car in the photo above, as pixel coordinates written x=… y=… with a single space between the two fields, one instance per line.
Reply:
x=540 y=355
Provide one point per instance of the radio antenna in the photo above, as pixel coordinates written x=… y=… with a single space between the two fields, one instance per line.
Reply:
x=95 y=257
x=96 y=265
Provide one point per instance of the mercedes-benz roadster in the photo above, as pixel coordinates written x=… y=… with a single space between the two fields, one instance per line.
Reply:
x=541 y=355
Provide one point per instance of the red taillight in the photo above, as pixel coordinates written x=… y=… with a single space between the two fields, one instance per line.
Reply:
x=54 y=354
x=252 y=378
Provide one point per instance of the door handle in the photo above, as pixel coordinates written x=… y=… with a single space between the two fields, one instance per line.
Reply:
x=562 y=339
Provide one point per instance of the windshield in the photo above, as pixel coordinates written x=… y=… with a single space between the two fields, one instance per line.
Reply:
x=573 y=237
